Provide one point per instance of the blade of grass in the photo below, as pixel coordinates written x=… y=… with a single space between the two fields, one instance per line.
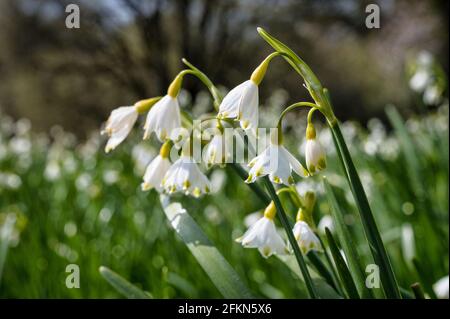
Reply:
x=347 y=243
x=124 y=287
x=210 y=259
x=343 y=271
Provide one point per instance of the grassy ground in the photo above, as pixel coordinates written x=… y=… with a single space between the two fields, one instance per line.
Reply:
x=72 y=203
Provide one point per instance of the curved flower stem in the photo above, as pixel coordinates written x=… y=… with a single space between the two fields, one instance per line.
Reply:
x=322 y=99
x=207 y=82
x=288 y=228
x=293 y=195
x=253 y=186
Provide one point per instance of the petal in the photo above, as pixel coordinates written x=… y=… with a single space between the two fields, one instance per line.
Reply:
x=248 y=106
x=229 y=107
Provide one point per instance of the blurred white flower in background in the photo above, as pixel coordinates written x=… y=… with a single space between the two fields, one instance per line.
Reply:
x=325 y=222
x=441 y=288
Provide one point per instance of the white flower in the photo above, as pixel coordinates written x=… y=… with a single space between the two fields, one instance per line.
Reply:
x=264 y=236
x=155 y=172
x=441 y=288
x=419 y=80
x=278 y=163
x=314 y=152
x=216 y=152
x=119 y=125
x=242 y=103
x=185 y=176
x=305 y=237
x=164 y=119
x=325 y=222
x=432 y=95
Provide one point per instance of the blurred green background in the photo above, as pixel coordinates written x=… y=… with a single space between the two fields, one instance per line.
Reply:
x=62 y=200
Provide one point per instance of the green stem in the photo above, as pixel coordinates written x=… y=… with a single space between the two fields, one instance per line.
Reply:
x=322 y=270
x=330 y=264
x=417 y=290
x=253 y=186
x=288 y=228
x=370 y=228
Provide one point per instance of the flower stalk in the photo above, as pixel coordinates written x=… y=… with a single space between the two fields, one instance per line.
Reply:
x=288 y=228
x=322 y=99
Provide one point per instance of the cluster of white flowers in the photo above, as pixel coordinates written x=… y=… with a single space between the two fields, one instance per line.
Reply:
x=241 y=104
x=426 y=78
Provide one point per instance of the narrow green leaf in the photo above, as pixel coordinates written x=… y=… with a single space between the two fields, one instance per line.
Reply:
x=210 y=259
x=124 y=287
x=294 y=60
x=370 y=228
x=343 y=271
x=322 y=269
x=346 y=241
x=424 y=278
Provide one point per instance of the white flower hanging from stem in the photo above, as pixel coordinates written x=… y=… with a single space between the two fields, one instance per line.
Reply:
x=185 y=176
x=242 y=102
x=314 y=152
x=264 y=236
x=121 y=121
x=157 y=169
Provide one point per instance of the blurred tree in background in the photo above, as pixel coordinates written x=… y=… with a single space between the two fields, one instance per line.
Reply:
x=127 y=50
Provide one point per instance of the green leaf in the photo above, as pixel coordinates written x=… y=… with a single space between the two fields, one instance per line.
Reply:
x=210 y=259
x=373 y=236
x=124 y=287
x=341 y=266
x=346 y=242
x=294 y=60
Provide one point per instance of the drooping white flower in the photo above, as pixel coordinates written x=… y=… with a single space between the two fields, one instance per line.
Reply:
x=441 y=288
x=305 y=237
x=119 y=125
x=164 y=119
x=314 y=152
x=185 y=176
x=264 y=236
x=155 y=173
x=242 y=103
x=216 y=152
x=278 y=163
